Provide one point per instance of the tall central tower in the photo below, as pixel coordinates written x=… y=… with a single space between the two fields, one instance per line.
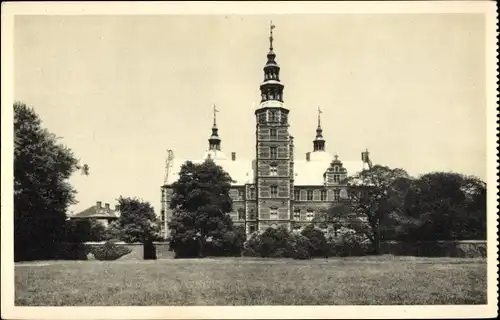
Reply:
x=274 y=163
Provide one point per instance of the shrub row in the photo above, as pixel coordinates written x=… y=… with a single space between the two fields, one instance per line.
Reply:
x=311 y=242
x=80 y=251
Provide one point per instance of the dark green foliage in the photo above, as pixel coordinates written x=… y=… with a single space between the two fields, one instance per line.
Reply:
x=201 y=225
x=272 y=243
x=42 y=194
x=299 y=247
x=71 y=251
x=375 y=194
x=137 y=222
x=318 y=245
x=109 y=251
x=83 y=230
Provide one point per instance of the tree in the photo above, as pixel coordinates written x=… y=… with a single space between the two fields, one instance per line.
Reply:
x=42 y=194
x=334 y=217
x=201 y=203
x=138 y=221
x=447 y=206
x=376 y=194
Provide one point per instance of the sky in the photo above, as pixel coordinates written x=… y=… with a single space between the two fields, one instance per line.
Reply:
x=121 y=90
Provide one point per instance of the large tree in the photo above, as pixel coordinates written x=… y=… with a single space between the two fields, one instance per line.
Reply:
x=377 y=195
x=42 y=194
x=446 y=206
x=138 y=221
x=201 y=204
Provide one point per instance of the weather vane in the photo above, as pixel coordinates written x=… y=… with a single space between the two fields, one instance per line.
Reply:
x=215 y=111
x=272 y=26
x=319 y=116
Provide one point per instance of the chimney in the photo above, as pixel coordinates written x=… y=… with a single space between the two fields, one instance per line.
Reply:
x=233 y=156
x=106 y=206
x=308 y=156
x=99 y=204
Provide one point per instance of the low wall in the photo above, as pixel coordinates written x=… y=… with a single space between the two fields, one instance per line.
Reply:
x=459 y=249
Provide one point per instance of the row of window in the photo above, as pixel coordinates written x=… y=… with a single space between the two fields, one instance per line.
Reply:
x=273 y=116
x=297 y=193
x=273 y=211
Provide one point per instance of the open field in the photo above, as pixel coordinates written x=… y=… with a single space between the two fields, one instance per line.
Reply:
x=243 y=281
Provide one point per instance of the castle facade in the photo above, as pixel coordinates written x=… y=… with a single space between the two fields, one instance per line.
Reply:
x=274 y=189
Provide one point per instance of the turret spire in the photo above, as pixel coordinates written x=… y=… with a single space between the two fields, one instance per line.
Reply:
x=319 y=142
x=271 y=88
x=214 y=140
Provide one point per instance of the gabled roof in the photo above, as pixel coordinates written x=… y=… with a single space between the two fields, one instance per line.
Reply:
x=310 y=173
x=97 y=212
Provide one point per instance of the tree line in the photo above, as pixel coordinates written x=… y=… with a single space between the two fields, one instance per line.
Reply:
x=383 y=204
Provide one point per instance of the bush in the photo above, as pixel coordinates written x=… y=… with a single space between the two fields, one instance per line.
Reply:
x=349 y=243
x=272 y=243
x=110 y=251
x=299 y=247
x=318 y=244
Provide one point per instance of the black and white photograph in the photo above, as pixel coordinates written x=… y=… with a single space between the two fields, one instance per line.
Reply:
x=298 y=157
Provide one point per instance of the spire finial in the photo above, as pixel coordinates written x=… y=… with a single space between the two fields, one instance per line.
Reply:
x=319 y=117
x=271 y=27
x=215 y=115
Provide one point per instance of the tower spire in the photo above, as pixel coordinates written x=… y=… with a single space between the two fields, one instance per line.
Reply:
x=319 y=142
x=214 y=140
x=271 y=88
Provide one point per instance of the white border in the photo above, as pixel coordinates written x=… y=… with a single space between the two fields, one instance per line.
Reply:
x=267 y=7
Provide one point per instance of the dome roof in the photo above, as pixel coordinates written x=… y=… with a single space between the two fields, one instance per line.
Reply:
x=320 y=156
x=215 y=155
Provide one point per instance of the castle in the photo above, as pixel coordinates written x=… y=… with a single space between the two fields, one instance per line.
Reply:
x=274 y=189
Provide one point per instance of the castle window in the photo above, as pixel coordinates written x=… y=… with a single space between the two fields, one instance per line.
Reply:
x=296 y=194
x=309 y=195
x=274 y=152
x=271 y=95
x=296 y=214
x=284 y=118
x=252 y=229
x=336 y=194
x=273 y=211
x=310 y=215
x=252 y=193
x=241 y=214
x=336 y=178
x=273 y=170
x=274 y=191
x=272 y=134
x=262 y=118
x=251 y=214
x=241 y=194
x=273 y=117
x=323 y=195
x=336 y=168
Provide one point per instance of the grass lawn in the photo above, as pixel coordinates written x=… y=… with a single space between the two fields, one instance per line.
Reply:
x=385 y=280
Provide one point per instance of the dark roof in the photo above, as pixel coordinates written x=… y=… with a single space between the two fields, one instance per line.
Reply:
x=97 y=212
